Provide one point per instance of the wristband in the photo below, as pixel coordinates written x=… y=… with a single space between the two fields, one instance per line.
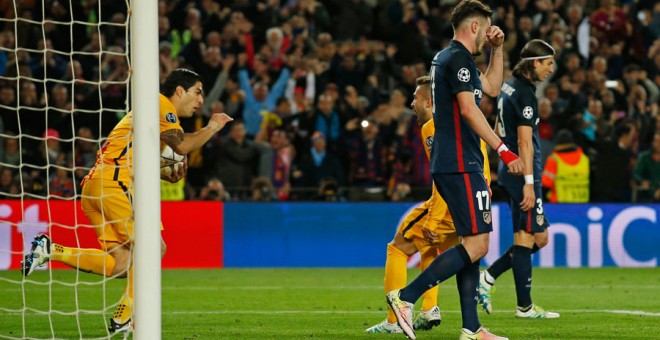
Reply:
x=529 y=179
x=506 y=155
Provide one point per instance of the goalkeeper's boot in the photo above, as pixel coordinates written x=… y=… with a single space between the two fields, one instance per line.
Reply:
x=120 y=327
x=481 y=334
x=535 y=312
x=403 y=311
x=121 y=318
x=427 y=320
x=385 y=327
x=38 y=256
x=485 y=291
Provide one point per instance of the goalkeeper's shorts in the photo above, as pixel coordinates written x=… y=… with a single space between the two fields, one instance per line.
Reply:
x=108 y=206
x=411 y=229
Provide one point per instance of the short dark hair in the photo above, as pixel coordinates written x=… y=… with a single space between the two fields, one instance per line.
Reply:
x=533 y=49
x=469 y=8
x=179 y=77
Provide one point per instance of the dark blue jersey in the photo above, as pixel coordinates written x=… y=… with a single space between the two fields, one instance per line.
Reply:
x=456 y=147
x=517 y=105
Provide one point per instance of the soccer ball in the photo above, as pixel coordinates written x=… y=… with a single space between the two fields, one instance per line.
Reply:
x=170 y=161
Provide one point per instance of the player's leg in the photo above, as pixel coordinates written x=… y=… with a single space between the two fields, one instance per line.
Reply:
x=531 y=223
x=396 y=270
x=429 y=316
x=469 y=203
x=91 y=260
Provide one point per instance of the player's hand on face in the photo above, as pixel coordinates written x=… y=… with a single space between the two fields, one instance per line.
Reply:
x=529 y=197
x=495 y=36
x=516 y=167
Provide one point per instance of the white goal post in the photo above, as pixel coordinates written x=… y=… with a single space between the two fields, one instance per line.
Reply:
x=146 y=155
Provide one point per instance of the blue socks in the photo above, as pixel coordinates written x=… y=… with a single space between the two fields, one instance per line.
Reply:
x=503 y=263
x=467 y=280
x=521 y=263
x=443 y=267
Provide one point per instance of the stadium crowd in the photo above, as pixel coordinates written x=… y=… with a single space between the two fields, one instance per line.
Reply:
x=321 y=92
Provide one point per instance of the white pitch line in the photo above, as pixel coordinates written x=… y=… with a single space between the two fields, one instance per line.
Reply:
x=361 y=287
x=326 y=312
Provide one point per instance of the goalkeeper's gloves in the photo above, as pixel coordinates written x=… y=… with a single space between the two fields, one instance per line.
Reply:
x=505 y=154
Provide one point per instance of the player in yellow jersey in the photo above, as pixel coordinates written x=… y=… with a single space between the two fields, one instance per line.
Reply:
x=427 y=229
x=107 y=191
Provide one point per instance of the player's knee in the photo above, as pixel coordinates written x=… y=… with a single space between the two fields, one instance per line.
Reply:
x=542 y=241
x=121 y=267
x=163 y=249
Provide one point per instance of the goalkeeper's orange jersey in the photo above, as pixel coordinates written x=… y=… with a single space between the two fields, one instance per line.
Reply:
x=114 y=161
x=437 y=206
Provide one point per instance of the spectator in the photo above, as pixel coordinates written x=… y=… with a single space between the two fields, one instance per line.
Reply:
x=647 y=173
x=11 y=154
x=262 y=190
x=317 y=164
x=234 y=160
x=329 y=191
x=612 y=169
x=61 y=186
x=566 y=172
x=258 y=98
x=214 y=191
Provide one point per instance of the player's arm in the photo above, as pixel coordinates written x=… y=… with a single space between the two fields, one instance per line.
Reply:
x=475 y=118
x=491 y=81
x=185 y=143
x=526 y=150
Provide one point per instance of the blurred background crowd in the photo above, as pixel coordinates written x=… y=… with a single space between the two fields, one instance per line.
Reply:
x=320 y=92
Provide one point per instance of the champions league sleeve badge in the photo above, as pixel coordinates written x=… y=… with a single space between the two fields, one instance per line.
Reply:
x=170 y=117
x=464 y=75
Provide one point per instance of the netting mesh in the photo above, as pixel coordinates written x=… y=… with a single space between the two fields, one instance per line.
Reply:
x=64 y=84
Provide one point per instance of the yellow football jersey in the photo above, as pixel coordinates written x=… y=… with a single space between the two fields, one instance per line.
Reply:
x=438 y=210
x=114 y=161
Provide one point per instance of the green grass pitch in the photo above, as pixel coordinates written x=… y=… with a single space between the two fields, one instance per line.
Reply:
x=606 y=303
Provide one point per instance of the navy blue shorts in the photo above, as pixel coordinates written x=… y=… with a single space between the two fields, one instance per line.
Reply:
x=532 y=221
x=468 y=200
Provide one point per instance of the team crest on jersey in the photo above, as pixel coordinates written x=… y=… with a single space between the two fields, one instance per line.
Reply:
x=170 y=117
x=528 y=112
x=487 y=216
x=464 y=75
x=429 y=142
x=539 y=220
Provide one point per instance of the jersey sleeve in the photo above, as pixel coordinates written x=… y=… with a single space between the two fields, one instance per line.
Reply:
x=169 y=120
x=428 y=131
x=524 y=107
x=459 y=73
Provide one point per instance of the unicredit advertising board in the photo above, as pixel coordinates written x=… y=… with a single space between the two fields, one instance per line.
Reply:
x=213 y=235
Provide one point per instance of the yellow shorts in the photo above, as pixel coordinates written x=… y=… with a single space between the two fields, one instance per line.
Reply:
x=411 y=230
x=108 y=206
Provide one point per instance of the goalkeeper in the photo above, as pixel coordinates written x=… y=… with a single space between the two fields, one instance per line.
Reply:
x=427 y=229
x=107 y=191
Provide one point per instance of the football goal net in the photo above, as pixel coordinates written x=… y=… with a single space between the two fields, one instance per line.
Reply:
x=69 y=72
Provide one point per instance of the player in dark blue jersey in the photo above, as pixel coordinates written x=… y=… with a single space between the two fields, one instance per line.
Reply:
x=457 y=162
x=517 y=125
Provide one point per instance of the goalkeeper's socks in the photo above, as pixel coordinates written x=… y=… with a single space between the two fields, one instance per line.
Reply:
x=522 y=274
x=467 y=280
x=396 y=273
x=124 y=310
x=502 y=264
x=89 y=260
x=430 y=297
x=443 y=267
